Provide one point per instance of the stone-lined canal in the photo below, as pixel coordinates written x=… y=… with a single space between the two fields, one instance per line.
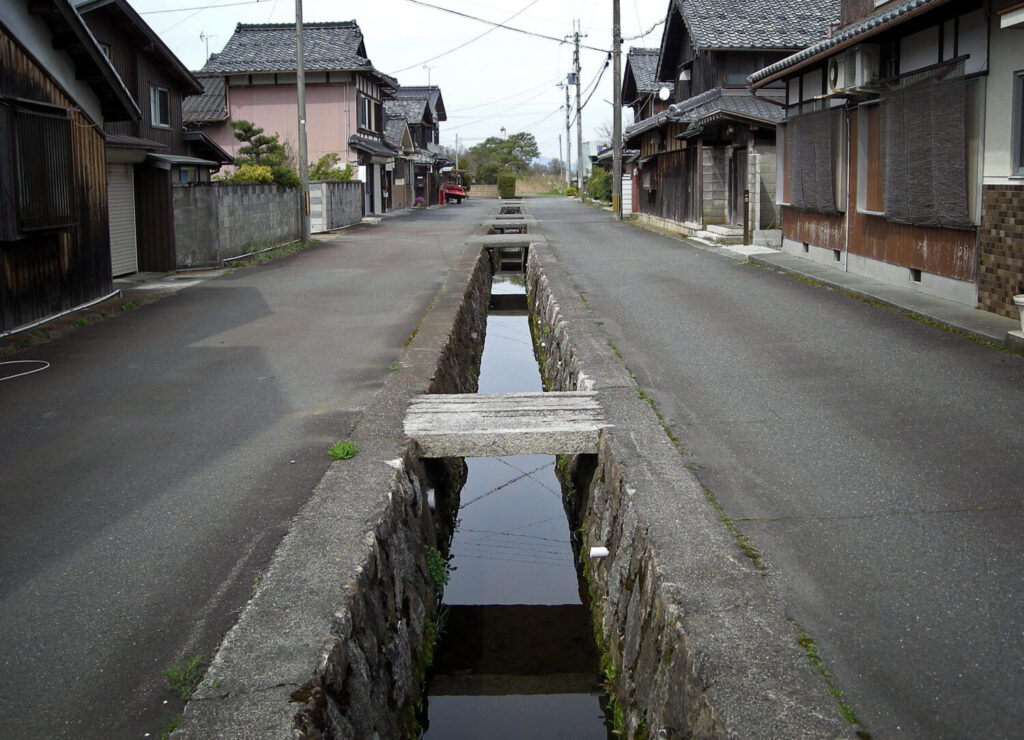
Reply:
x=517 y=656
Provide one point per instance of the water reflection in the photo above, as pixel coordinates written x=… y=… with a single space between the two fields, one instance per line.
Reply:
x=516 y=658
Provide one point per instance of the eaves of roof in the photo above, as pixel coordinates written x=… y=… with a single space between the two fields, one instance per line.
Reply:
x=91 y=65
x=174 y=65
x=708 y=107
x=853 y=34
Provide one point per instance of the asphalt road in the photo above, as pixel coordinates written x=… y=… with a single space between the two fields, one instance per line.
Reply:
x=875 y=461
x=148 y=474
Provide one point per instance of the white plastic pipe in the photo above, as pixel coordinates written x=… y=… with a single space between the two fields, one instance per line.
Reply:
x=598 y=552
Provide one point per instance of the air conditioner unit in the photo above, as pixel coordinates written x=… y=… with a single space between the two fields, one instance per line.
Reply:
x=854 y=70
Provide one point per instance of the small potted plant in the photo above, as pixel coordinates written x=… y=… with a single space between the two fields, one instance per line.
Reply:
x=419 y=202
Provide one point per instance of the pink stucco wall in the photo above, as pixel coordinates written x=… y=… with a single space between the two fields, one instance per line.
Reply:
x=330 y=117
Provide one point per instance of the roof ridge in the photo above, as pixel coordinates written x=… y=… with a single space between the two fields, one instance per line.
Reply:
x=305 y=25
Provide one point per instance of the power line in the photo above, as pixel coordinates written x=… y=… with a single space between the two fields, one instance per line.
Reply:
x=597 y=82
x=199 y=7
x=507 y=98
x=645 y=33
x=499 y=25
x=495 y=27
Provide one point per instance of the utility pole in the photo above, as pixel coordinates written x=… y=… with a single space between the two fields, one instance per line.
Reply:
x=568 y=139
x=579 y=111
x=456 y=151
x=616 y=113
x=560 y=155
x=300 y=75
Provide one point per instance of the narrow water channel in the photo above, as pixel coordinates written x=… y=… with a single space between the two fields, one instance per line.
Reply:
x=516 y=658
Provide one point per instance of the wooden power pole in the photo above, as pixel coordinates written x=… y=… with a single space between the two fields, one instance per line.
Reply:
x=616 y=113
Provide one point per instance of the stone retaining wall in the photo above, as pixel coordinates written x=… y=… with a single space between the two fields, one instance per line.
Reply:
x=338 y=634
x=699 y=644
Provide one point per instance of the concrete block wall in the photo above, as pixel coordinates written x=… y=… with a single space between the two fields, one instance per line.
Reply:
x=715 y=194
x=762 y=173
x=1001 y=248
x=335 y=204
x=214 y=221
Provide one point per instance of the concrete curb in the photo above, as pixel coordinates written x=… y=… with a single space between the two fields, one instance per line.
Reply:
x=341 y=608
x=701 y=642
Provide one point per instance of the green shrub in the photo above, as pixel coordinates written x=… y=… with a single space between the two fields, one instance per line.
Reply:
x=251 y=173
x=571 y=192
x=599 y=186
x=327 y=168
x=506 y=186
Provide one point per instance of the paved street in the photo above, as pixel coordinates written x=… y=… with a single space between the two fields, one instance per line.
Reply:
x=149 y=473
x=875 y=461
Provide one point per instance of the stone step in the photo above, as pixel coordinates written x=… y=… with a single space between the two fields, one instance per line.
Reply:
x=719 y=238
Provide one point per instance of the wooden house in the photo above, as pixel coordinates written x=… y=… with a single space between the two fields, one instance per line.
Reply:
x=642 y=92
x=402 y=175
x=714 y=146
x=423 y=109
x=57 y=90
x=345 y=96
x=883 y=142
x=146 y=157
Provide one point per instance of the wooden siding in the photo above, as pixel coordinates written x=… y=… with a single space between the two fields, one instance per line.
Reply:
x=951 y=253
x=139 y=72
x=155 y=219
x=674 y=192
x=48 y=273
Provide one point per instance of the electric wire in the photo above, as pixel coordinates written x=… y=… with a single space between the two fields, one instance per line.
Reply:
x=467 y=43
x=198 y=7
x=500 y=25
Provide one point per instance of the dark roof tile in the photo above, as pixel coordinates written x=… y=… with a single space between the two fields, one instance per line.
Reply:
x=271 y=48
x=758 y=24
x=210 y=106
x=644 y=65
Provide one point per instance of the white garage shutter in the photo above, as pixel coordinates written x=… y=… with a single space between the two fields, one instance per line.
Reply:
x=121 y=205
x=627 y=194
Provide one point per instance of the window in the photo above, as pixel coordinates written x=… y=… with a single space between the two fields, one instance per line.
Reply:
x=924 y=149
x=365 y=113
x=35 y=173
x=815 y=155
x=738 y=68
x=160 y=106
x=188 y=174
x=869 y=160
x=1017 y=169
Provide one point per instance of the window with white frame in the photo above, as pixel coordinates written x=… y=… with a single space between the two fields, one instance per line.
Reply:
x=1017 y=168
x=160 y=106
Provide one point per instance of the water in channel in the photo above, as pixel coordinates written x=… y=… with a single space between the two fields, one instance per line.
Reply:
x=517 y=657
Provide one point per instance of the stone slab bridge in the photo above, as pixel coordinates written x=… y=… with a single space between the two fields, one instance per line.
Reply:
x=499 y=424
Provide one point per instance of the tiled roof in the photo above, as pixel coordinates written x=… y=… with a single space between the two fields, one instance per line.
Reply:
x=210 y=106
x=394 y=129
x=644 y=65
x=758 y=24
x=853 y=33
x=431 y=94
x=411 y=109
x=707 y=106
x=271 y=48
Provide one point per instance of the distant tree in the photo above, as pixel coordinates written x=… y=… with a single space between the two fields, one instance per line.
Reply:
x=495 y=155
x=263 y=150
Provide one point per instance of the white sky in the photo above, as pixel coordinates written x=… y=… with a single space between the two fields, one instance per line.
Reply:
x=503 y=79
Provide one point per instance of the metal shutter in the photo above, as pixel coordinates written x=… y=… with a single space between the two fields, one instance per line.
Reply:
x=121 y=204
x=627 y=194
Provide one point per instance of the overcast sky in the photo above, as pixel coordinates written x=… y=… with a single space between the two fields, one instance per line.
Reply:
x=503 y=79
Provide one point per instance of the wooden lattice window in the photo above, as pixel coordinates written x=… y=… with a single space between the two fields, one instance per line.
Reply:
x=36 y=171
